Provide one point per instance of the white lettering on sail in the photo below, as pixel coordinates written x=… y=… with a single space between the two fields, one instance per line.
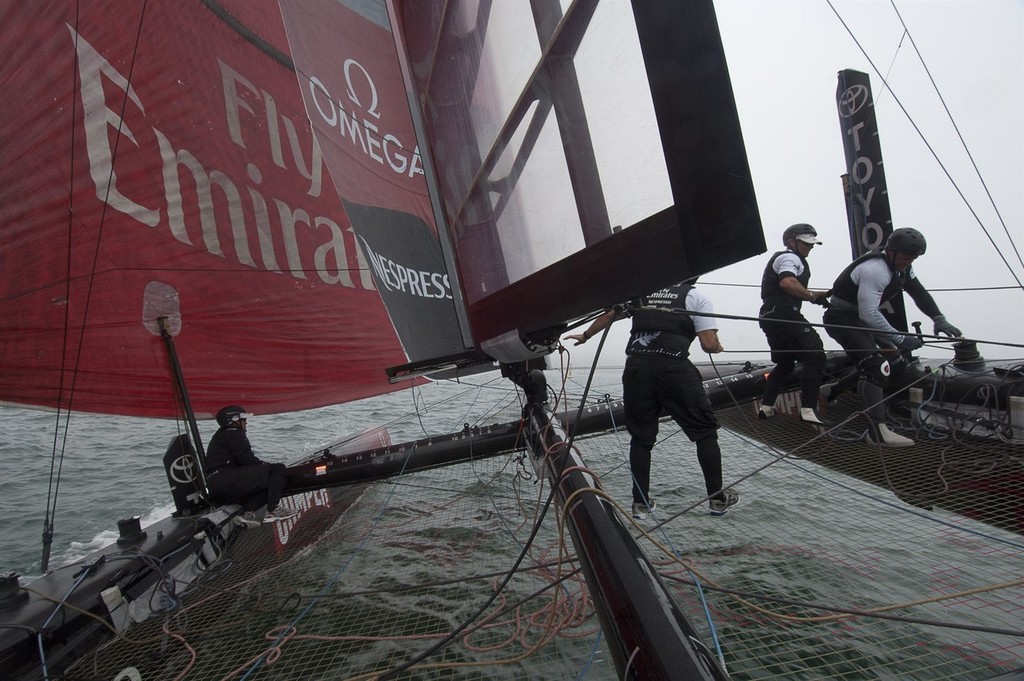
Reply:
x=289 y=218
x=398 y=277
x=862 y=168
x=173 y=161
x=364 y=134
x=263 y=231
x=336 y=244
x=98 y=116
x=179 y=164
x=234 y=102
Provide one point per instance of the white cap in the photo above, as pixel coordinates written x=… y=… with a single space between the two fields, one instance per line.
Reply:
x=808 y=238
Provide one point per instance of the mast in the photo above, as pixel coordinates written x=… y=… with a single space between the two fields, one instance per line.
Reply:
x=190 y=416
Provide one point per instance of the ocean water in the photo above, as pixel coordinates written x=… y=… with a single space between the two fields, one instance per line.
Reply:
x=801 y=532
x=111 y=467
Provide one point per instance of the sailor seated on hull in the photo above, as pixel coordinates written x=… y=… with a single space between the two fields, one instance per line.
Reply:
x=235 y=475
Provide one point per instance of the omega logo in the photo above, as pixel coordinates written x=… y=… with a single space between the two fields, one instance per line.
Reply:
x=372 y=107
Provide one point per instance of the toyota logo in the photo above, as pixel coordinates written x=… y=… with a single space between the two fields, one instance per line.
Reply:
x=181 y=470
x=853 y=100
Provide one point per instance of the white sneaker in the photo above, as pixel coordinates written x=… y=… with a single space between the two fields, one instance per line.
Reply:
x=765 y=412
x=810 y=415
x=887 y=438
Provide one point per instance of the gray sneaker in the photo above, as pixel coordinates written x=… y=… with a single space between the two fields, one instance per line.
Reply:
x=250 y=520
x=722 y=506
x=640 y=510
x=279 y=515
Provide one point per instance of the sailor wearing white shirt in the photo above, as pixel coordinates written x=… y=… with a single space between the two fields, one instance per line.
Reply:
x=659 y=376
x=790 y=336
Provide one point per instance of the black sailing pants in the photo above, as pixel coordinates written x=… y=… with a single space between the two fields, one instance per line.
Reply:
x=793 y=339
x=250 y=486
x=651 y=385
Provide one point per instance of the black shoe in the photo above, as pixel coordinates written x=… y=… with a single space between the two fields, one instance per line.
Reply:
x=830 y=391
x=730 y=497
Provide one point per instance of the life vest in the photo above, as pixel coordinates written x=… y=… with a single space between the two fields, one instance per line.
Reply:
x=772 y=294
x=846 y=290
x=661 y=325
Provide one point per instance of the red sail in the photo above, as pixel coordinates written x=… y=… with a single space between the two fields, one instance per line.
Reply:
x=350 y=76
x=158 y=163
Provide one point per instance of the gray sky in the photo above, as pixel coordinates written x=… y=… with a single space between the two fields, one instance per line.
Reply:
x=783 y=58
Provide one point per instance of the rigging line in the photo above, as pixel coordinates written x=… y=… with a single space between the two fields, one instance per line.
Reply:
x=920 y=134
x=959 y=135
x=99 y=233
x=964 y=289
x=957 y=289
x=851 y=611
x=53 y=485
x=457 y=631
x=929 y=336
x=895 y=54
x=837 y=482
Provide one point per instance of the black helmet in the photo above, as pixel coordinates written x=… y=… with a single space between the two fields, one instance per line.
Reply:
x=802 y=232
x=230 y=414
x=907 y=240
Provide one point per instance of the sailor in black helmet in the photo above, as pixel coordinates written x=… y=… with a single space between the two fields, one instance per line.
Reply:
x=234 y=475
x=855 y=320
x=790 y=335
x=659 y=376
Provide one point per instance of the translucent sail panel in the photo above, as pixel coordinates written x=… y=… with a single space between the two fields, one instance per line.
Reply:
x=160 y=174
x=538 y=218
x=557 y=129
x=603 y=117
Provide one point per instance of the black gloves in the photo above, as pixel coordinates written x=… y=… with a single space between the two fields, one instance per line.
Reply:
x=909 y=342
x=942 y=327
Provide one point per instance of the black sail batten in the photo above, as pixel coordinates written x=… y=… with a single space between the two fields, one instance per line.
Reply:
x=867 y=196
